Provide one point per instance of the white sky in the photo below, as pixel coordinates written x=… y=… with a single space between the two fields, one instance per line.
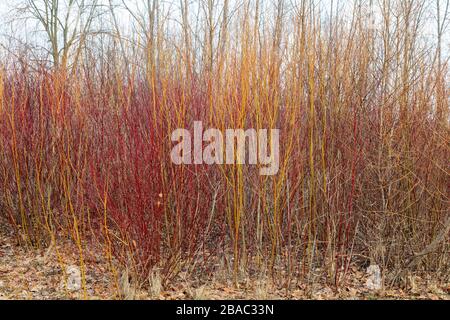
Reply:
x=27 y=30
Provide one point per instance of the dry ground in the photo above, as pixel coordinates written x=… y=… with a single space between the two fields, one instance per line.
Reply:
x=38 y=274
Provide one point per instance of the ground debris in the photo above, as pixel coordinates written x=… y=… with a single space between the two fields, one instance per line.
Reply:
x=374 y=280
x=38 y=275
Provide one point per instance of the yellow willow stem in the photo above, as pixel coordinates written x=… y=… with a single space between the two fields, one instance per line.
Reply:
x=312 y=206
x=76 y=230
x=108 y=240
x=24 y=222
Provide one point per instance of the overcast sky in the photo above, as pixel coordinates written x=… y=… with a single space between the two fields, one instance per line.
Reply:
x=28 y=30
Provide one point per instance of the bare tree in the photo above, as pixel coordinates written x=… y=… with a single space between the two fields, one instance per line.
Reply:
x=65 y=24
x=442 y=15
x=184 y=6
x=442 y=21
